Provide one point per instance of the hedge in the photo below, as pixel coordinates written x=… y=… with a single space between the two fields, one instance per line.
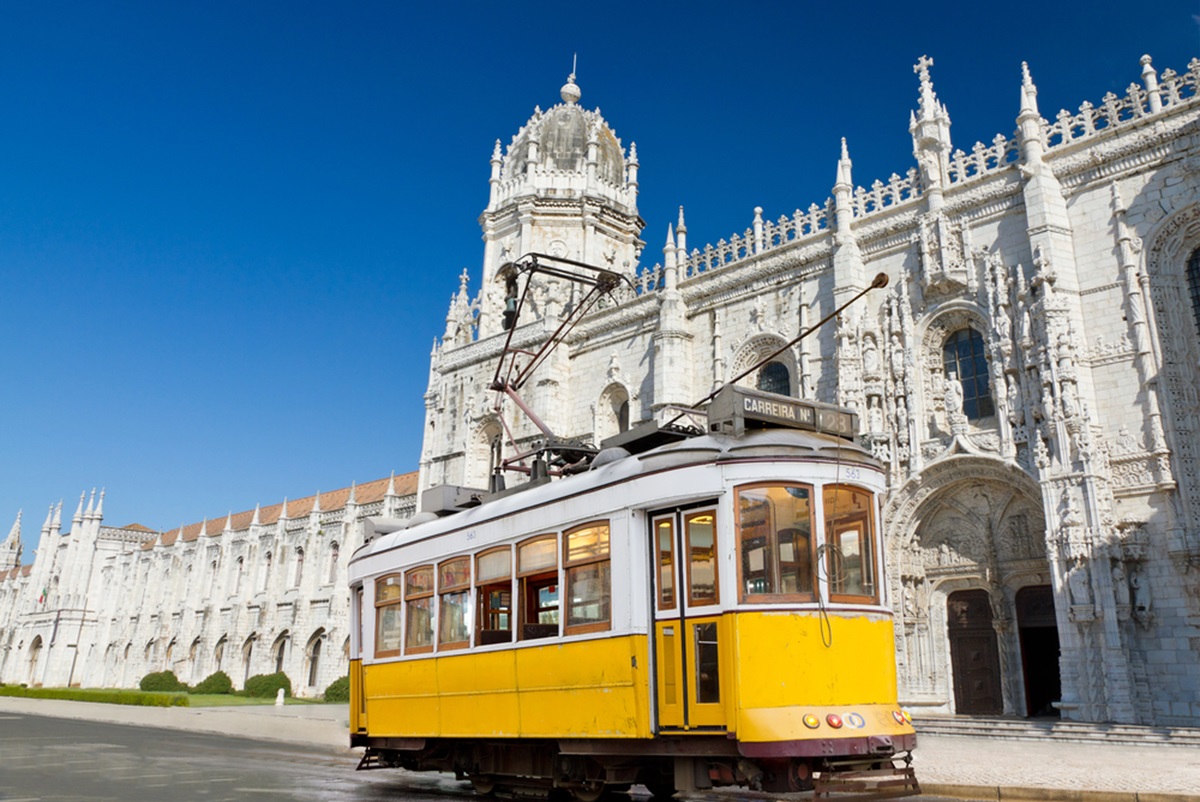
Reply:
x=217 y=682
x=338 y=690
x=162 y=681
x=267 y=685
x=113 y=697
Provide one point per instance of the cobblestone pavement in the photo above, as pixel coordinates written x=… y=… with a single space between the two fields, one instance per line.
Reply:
x=991 y=765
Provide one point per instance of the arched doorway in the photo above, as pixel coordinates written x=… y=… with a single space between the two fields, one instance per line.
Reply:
x=1037 y=631
x=974 y=656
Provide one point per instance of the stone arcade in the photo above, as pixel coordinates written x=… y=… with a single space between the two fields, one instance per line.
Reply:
x=1029 y=377
x=253 y=593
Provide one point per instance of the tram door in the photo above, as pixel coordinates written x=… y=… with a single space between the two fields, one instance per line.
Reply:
x=687 y=622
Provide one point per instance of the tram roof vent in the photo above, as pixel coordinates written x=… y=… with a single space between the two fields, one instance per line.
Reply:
x=736 y=410
x=647 y=435
x=448 y=499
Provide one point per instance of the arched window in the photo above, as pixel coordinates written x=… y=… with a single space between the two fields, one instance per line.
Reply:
x=299 y=567
x=239 y=567
x=963 y=359
x=266 y=573
x=334 y=552
x=280 y=649
x=247 y=655
x=775 y=378
x=1193 y=281
x=218 y=653
x=314 y=657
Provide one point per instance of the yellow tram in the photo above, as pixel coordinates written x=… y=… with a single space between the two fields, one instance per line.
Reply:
x=688 y=611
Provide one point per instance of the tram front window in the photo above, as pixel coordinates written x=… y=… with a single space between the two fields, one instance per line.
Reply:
x=775 y=540
x=849 y=538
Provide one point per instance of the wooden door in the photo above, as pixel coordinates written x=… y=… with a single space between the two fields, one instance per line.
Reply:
x=974 y=656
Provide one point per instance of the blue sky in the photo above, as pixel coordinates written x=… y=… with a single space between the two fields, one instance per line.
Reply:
x=229 y=231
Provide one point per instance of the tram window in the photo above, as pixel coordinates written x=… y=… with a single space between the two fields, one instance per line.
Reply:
x=849 y=536
x=700 y=531
x=387 y=615
x=454 y=583
x=537 y=567
x=775 y=541
x=589 y=580
x=418 y=607
x=664 y=536
x=493 y=595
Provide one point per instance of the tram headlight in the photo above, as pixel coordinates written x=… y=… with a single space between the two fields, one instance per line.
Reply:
x=834 y=720
x=907 y=715
x=811 y=721
x=896 y=714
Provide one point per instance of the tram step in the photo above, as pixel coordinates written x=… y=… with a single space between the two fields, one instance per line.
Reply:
x=1051 y=730
x=869 y=784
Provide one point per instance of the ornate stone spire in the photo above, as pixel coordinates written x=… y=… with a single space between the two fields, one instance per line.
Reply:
x=77 y=518
x=100 y=506
x=255 y=520
x=351 y=499
x=930 y=129
x=570 y=91
x=10 y=553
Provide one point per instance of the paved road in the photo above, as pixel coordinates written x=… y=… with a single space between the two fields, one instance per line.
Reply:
x=64 y=760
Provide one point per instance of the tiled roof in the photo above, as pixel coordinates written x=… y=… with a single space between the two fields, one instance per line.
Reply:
x=367 y=493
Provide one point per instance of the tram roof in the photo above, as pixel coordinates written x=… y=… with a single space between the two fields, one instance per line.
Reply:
x=760 y=445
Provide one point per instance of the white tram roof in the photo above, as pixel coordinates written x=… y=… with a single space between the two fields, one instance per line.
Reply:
x=764 y=444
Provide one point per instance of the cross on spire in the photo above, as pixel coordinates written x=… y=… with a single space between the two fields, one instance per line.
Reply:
x=922 y=67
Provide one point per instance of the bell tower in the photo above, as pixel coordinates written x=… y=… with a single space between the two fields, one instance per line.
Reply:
x=566 y=187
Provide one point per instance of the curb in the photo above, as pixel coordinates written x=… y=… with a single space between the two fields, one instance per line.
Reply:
x=1000 y=793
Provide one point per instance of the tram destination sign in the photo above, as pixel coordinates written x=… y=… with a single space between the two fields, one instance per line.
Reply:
x=736 y=409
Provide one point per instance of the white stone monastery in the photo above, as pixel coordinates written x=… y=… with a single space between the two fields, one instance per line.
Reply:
x=1030 y=378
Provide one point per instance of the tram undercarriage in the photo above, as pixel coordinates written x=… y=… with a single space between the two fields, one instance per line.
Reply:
x=591 y=769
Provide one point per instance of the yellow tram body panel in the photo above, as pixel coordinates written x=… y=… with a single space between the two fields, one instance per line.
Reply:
x=595 y=688
x=785 y=672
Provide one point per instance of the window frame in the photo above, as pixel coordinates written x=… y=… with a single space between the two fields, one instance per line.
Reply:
x=460 y=587
x=866 y=537
x=482 y=605
x=746 y=597
x=530 y=580
x=971 y=396
x=569 y=566
x=411 y=596
x=669 y=568
x=687 y=538
x=381 y=583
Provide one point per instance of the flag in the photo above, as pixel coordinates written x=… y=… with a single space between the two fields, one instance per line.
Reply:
x=42 y=598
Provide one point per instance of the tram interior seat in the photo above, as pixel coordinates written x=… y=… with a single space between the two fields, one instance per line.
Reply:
x=534 y=631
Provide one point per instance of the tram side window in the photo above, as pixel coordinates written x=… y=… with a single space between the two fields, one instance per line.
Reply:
x=537 y=568
x=387 y=616
x=774 y=525
x=418 y=606
x=493 y=596
x=849 y=543
x=700 y=530
x=454 y=590
x=589 y=578
x=664 y=537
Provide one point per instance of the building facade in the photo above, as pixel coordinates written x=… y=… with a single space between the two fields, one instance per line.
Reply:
x=1029 y=377
x=253 y=593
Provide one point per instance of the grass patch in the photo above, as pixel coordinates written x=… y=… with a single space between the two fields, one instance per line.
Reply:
x=102 y=695
x=231 y=700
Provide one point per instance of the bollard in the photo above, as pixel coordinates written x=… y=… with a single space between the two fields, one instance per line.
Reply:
x=279 y=698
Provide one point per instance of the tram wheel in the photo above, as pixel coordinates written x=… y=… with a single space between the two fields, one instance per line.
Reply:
x=484 y=786
x=589 y=793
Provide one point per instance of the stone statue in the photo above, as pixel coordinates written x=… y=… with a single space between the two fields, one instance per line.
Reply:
x=1140 y=590
x=954 y=393
x=874 y=415
x=1120 y=586
x=1079 y=584
x=870 y=357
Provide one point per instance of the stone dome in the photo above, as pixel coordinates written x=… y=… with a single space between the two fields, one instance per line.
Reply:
x=562 y=134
